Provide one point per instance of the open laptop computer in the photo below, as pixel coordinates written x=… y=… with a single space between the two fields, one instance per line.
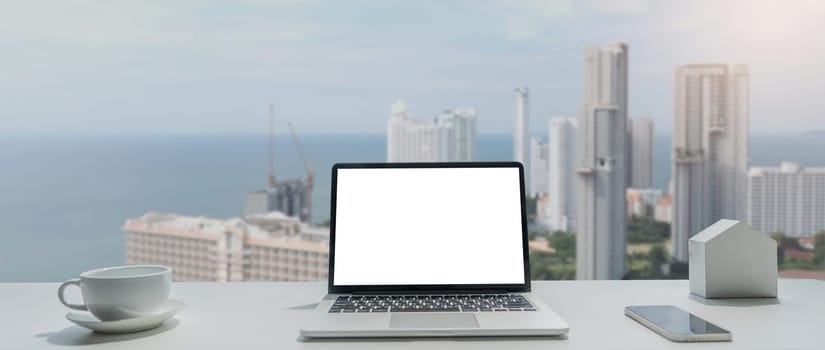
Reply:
x=429 y=249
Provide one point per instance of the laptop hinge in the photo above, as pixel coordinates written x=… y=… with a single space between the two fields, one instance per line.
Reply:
x=408 y=292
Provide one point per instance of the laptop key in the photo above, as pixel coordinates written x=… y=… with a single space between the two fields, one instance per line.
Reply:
x=431 y=303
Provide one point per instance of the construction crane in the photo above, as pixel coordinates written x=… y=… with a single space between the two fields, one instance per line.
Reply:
x=309 y=170
x=271 y=146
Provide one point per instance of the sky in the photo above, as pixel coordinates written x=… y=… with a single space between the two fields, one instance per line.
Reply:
x=337 y=66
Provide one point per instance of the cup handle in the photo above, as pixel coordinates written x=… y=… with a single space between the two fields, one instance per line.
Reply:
x=73 y=281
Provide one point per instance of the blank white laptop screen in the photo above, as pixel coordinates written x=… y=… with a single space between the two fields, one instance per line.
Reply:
x=418 y=226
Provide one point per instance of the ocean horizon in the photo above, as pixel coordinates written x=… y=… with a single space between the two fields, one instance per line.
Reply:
x=64 y=198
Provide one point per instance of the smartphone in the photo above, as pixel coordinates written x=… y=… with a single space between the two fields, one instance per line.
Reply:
x=676 y=324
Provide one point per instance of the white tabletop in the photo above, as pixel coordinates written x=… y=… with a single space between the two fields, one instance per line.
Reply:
x=267 y=316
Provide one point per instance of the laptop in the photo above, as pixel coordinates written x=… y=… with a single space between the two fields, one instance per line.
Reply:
x=429 y=250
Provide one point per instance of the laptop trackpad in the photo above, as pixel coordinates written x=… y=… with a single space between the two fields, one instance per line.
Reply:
x=433 y=320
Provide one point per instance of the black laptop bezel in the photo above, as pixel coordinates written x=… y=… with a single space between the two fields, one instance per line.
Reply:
x=456 y=288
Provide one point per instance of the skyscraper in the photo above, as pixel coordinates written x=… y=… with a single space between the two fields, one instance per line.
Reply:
x=456 y=138
x=520 y=138
x=601 y=233
x=710 y=149
x=640 y=152
x=444 y=141
x=538 y=167
x=562 y=173
x=788 y=199
x=465 y=134
x=450 y=137
x=409 y=140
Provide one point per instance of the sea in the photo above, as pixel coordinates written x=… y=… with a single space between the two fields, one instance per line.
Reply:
x=64 y=198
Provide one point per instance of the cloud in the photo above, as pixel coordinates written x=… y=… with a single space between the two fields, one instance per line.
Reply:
x=151 y=23
x=526 y=20
x=523 y=20
x=624 y=7
x=90 y=58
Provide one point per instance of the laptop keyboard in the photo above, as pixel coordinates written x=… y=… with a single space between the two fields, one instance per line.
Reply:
x=431 y=303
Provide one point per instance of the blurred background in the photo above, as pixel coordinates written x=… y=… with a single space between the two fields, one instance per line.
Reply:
x=201 y=135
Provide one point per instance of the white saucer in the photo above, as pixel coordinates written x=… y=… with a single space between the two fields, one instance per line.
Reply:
x=129 y=325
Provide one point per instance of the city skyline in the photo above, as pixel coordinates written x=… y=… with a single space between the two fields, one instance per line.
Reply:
x=325 y=68
x=112 y=110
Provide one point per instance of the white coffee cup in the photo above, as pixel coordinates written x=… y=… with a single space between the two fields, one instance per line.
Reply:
x=116 y=293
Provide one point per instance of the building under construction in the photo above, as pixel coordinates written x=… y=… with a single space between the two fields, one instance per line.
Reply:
x=288 y=197
x=291 y=197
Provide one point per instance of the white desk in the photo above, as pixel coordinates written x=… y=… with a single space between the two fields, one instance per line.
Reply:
x=266 y=316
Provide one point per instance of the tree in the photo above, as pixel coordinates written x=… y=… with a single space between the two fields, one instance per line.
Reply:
x=646 y=230
x=540 y=264
x=565 y=245
x=657 y=256
x=531 y=206
x=647 y=265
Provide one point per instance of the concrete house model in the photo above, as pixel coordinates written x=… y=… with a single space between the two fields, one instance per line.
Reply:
x=730 y=259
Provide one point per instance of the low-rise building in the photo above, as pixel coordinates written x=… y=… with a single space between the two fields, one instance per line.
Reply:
x=640 y=199
x=789 y=199
x=664 y=209
x=265 y=247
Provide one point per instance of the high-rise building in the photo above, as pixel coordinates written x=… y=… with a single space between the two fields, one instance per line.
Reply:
x=450 y=137
x=409 y=140
x=710 y=149
x=444 y=145
x=640 y=152
x=520 y=137
x=268 y=247
x=789 y=199
x=455 y=136
x=562 y=173
x=601 y=219
x=465 y=134
x=538 y=167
